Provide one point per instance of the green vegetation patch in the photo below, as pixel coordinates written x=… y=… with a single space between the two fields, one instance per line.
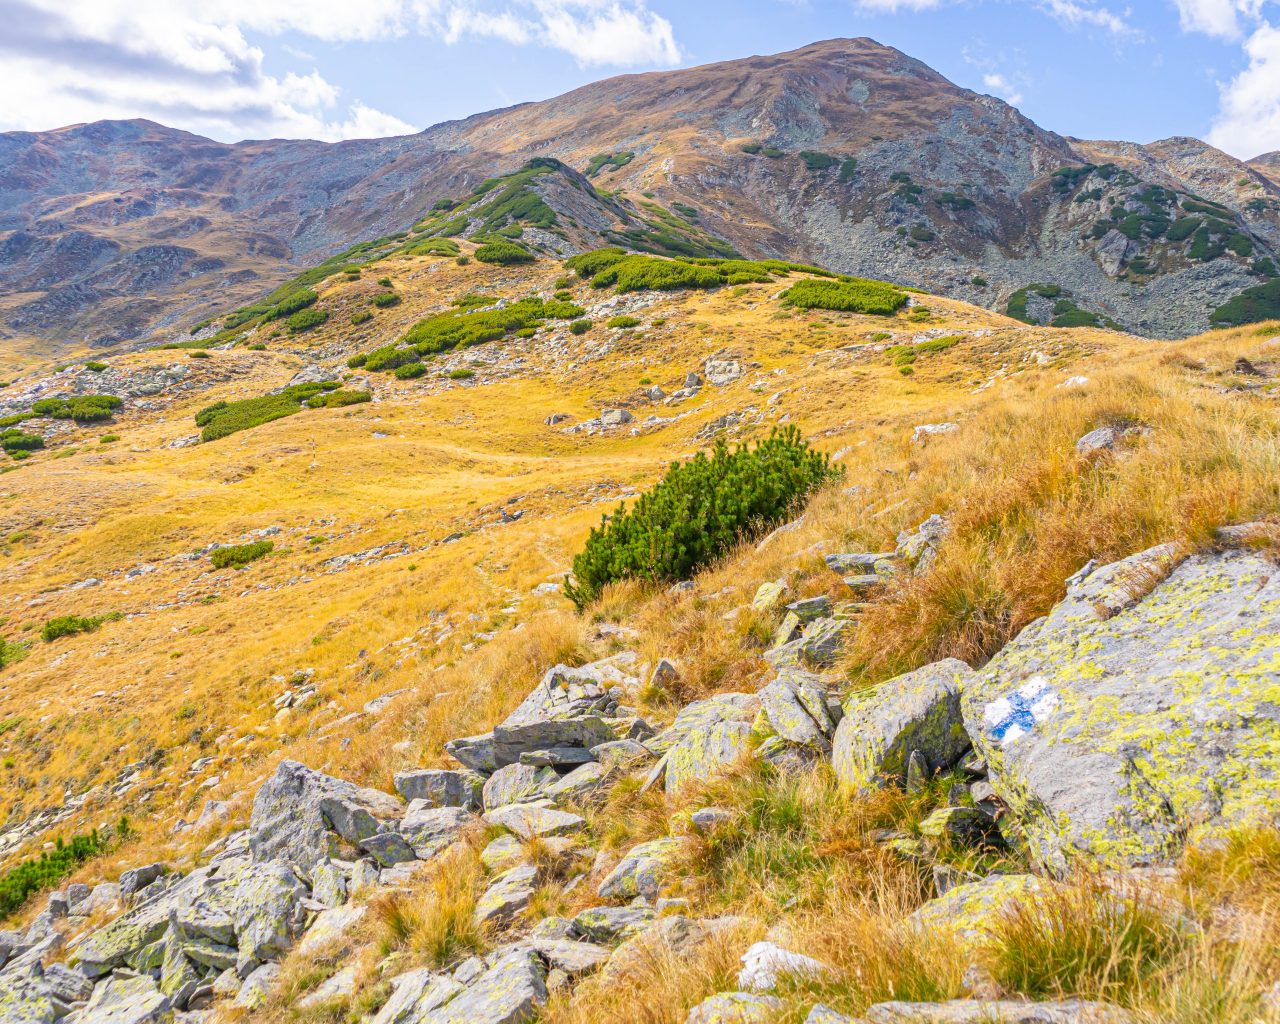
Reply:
x=223 y=418
x=1261 y=302
x=622 y=322
x=503 y=253
x=81 y=408
x=18 y=444
x=306 y=320
x=698 y=511
x=447 y=331
x=849 y=295
x=36 y=874
x=610 y=267
x=70 y=625
x=818 y=161
x=237 y=556
x=612 y=160
x=383 y=300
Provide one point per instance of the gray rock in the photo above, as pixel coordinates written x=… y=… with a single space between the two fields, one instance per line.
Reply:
x=530 y=821
x=509 y=992
x=968 y=1011
x=469 y=970
x=643 y=871
x=255 y=987
x=430 y=829
x=328 y=886
x=338 y=985
x=811 y=608
x=77 y=893
x=708 y=819
x=474 y=752
x=331 y=929
x=1139 y=715
x=67 y=986
x=796 y=706
x=364 y=876
x=918 y=548
x=415 y=994
x=919 y=711
x=709 y=735
x=1099 y=440
x=620 y=753
x=502 y=853
x=26 y=1000
x=572 y=957
x=735 y=1008
x=442 y=788
x=123 y=1001
x=516 y=783
x=859 y=564
x=764 y=964
x=388 y=848
x=822 y=1014
x=957 y=825
x=581 y=783
x=667 y=938
x=139 y=878
x=612 y=924
x=720 y=372
x=561 y=757
x=298 y=812
x=507 y=896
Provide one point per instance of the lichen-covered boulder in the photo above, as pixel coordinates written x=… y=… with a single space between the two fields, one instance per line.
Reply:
x=298 y=812
x=796 y=706
x=123 y=1001
x=530 y=821
x=507 y=896
x=516 y=783
x=644 y=871
x=568 y=708
x=612 y=924
x=265 y=903
x=919 y=711
x=1142 y=713
x=765 y=964
x=735 y=1008
x=440 y=787
x=26 y=1000
x=706 y=736
x=970 y=913
x=509 y=992
x=1007 y=1011
x=414 y=994
x=430 y=829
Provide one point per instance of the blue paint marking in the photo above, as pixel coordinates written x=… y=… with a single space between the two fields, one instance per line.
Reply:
x=1020 y=714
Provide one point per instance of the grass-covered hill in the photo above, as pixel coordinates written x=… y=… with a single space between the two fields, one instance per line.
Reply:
x=360 y=563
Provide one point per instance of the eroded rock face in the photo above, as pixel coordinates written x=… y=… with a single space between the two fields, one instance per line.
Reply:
x=299 y=814
x=643 y=871
x=1142 y=713
x=509 y=992
x=919 y=711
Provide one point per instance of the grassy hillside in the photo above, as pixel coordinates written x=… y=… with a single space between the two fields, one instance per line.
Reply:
x=399 y=565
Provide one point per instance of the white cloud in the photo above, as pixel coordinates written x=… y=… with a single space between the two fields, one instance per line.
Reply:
x=1000 y=86
x=190 y=63
x=1216 y=17
x=1248 y=118
x=894 y=6
x=1077 y=15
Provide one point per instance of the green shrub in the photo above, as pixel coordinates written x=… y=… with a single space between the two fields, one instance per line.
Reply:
x=698 y=511
x=198 y=354
x=580 y=326
x=855 y=295
x=384 y=282
x=70 y=625
x=257 y=346
x=108 y=438
x=817 y=161
x=503 y=253
x=292 y=303
x=385 y=299
x=461 y=374
x=408 y=371
x=237 y=556
x=463 y=260
x=751 y=148
x=620 y=322
x=848 y=168
x=306 y=320
x=223 y=418
x=978 y=281
x=1261 y=302
x=95 y=366
x=338 y=399
x=81 y=408
x=922 y=234
x=772 y=152
x=19 y=444
x=44 y=872
x=601 y=160
x=586 y=265
x=361 y=316
x=526 y=332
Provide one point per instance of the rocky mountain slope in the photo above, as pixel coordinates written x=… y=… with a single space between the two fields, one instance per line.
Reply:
x=844 y=153
x=986 y=731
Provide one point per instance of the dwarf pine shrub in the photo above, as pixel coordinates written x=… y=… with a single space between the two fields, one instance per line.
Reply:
x=47 y=870
x=306 y=320
x=503 y=253
x=698 y=511
x=70 y=625
x=81 y=408
x=237 y=556
x=855 y=295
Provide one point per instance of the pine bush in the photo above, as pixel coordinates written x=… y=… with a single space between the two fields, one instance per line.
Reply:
x=47 y=870
x=237 y=556
x=698 y=511
x=855 y=295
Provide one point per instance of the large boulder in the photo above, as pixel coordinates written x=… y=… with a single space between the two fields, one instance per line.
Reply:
x=441 y=788
x=796 y=706
x=123 y=1001
x=644 y=871
x=507 y=896
x=735 y=1008
x=430 y=829
x=1142 y=713
x=509 y=992
x=26 y=1000
x=414 y=994
x=300 y=814
x=971 y=914
x=706 y=736
x=919 y=711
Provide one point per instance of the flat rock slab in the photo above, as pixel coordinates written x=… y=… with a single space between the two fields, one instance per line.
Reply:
x=530 y=821
x=735 y=1008
x=508 y=895
x=643 y=871
x=509 y=992
x=970 y=1011
x=123 y=1001
x=969 y=913
x=1142 y=713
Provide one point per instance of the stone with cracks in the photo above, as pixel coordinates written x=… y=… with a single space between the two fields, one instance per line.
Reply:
x=919 y=711
x=510 y=992
x=414 y=994
x=530 y=821
x=735 y=1008
x=971 y=913
x=254 y=990
x=571 y=957
x=123 y=1001
x=643 y=871
x=441 y=788
x=516 y=783
x=796 y=706
x=26 y=1000
x=1143 y=713
x=612 y=924
x=707 y=751
x=474 y=752
x=508 y=896
x=764 y=964
x=430 y=829
x=298 y=811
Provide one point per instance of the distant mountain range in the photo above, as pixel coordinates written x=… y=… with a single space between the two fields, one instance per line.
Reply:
x=844 y=153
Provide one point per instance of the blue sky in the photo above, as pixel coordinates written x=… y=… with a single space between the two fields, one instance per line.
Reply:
x=1142 y=70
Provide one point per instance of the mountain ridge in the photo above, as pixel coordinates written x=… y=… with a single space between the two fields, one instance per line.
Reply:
x=113 y=237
